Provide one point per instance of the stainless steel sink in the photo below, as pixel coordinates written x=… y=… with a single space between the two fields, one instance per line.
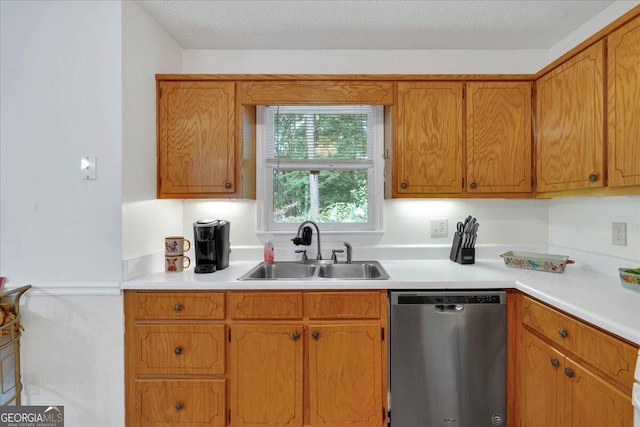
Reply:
x=368 y=270
x=280 y=270
x=317 y=270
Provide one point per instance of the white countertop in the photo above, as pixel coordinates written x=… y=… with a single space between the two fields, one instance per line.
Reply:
x=596 y=298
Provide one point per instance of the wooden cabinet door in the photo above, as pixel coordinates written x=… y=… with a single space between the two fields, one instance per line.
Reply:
x=427 y=155
x=184 y=403
x=499 y=137
x=623 y=87
x=266 y=375
x=196 y=139
x=593 y=402
x=345 y=375
x=540 y=381
x=570 y=124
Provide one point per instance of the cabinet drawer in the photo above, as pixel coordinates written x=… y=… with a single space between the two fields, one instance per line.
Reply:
x=342 y=305
x=185 y=403
x=612 y=356
x=178 y=349
x=178 y=305
x=265 y=305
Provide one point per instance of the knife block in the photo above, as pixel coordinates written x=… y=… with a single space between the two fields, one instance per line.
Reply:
x=459 y=254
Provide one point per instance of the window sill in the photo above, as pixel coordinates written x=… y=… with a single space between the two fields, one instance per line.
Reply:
x=353 y=237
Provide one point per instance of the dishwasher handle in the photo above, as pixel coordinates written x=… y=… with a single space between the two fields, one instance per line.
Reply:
x=449 y=308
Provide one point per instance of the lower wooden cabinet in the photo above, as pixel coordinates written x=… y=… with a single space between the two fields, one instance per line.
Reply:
x=266 y=375
x=268 y=358
x=558 y=386
x=185 y=403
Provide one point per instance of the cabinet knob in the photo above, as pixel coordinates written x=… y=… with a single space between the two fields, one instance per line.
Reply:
x=593 y=177
x=178 y=350
x=227 y=185
x=177 y=307
x=315 y=335
x=554 y=362
x=179 y=406
x=562 y=332
x=295 y=336
x=404 y=185
x=473 y=185
x=568 y=372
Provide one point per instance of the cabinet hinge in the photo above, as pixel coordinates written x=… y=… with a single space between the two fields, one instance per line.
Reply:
x=463 y=92
x=229 y=416
x=384 y=414
x=229 y=334
x=382 y=334
x=463 y=182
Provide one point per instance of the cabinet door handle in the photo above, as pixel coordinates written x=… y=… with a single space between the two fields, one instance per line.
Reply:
x=295 y=336
x=177 y=307
x=179 y=406
x=562 y=332
x=404 y=185
x=593 y=177
x=315 y=335
x=178 y=350
x=554 y=362
x=227 y=185
x=473 y=185
x=568 y=372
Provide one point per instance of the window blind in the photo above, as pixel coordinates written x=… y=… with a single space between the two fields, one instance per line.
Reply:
x=331 y=134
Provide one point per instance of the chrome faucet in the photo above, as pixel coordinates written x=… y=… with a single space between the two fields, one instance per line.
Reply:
x=306 y=240
x=349 y=250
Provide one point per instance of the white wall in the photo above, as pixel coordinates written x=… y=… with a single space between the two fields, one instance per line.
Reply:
x=592 y=26
x=364 y=61
x=585 y=224
x=61 y=98
x=147 y=49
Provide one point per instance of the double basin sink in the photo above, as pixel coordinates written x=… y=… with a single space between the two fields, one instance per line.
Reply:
x=317 y=270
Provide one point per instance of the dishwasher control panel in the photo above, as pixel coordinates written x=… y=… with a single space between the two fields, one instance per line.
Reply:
x=450 y=299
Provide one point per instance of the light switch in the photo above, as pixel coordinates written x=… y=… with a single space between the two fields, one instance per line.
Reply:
x=88 y=167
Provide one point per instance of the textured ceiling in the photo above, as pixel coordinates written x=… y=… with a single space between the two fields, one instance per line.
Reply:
x=371 y=24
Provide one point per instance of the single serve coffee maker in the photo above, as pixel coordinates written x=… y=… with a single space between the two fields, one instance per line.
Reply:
x=211 y=245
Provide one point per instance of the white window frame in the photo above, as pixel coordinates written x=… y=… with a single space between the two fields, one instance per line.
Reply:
x=373 y=228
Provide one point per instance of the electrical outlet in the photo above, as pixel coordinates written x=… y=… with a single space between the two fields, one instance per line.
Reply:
x=31 y=383
x=439 y=227
x=619 y=233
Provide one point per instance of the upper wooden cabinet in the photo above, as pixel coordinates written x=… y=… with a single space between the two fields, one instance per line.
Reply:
x=429 y=144
x=427 y=153
x=623 y=88
x=570 y=148
x=499 y=137
x=197 y=140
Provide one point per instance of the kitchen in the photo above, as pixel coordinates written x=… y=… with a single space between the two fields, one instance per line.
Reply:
x=82 y=75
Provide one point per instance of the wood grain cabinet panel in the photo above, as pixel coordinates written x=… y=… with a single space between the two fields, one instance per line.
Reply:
x=178 y=305
x=266 y=371
x=342 y=305
x=345 y=370
x=197 y=146
x=179 y=349
x=427 y=155
x=570 y=373
x=265 y=305
x=623 y=88
x=611 y=356
x=499 y=138
x=570 y=144
x=185 y=403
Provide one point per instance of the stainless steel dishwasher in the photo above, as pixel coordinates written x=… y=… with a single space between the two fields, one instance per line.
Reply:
x=448 y=354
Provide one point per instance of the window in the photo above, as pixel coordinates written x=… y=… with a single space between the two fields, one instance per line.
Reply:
x=320 y=163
